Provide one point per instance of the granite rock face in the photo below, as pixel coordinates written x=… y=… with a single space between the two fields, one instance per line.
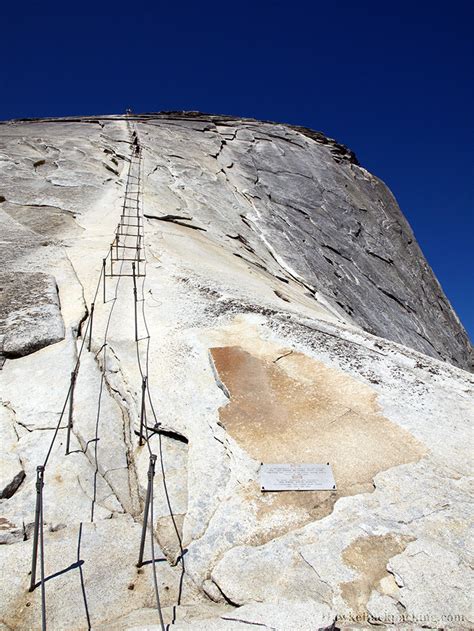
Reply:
x=289 y=316
x=293 y=201
x=308 y=212
x=30 y=316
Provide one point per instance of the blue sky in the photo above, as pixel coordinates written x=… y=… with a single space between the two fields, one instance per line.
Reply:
x=393 y=81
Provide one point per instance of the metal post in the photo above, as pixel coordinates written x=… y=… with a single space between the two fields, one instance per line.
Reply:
x=43 y=584
x=151 y=475
x=103 y=273
x=71 y=405
x=117 y=239
x=111 y=261
x=142 y=413
x=38 y=512
x=135 y=300
x=91 y=320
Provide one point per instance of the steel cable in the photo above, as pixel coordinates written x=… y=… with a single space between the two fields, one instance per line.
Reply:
x=136 y=164
x=84 y=334
x=145 y=375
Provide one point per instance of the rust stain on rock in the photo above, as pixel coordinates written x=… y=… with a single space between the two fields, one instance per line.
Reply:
x=300 y=410
x=369 y=557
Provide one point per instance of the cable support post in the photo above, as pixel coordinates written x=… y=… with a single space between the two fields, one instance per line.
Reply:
x=151 y=475
x=103 y=272
x=71 y=407
x=91 y=320
x=143 y=411
x=38 y=513
x=135 y=300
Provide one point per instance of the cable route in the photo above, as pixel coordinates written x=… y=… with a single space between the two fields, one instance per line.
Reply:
x=126 y=258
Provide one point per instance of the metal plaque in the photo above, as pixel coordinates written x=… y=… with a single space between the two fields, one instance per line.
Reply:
x=297 y=477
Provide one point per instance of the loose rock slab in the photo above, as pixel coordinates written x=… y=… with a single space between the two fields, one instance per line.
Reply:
x=30 y=313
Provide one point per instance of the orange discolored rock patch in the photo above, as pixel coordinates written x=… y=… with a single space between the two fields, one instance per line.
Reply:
x=296 y=409
x=369 y=557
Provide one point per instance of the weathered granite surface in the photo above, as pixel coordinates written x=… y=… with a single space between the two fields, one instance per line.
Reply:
x=30 y=313
x=307 y=211
x=293 y=201
x=292 y=318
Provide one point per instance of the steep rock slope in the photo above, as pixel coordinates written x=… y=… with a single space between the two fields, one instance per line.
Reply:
x=272 y=258
x=311 y=215
x=294 y=202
